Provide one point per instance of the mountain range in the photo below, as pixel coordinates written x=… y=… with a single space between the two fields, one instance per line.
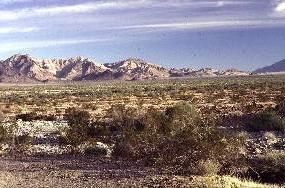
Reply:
x=278 y=67
x=24 y=68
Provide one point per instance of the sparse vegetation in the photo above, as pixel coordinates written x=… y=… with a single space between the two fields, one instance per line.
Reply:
x=265 y=121
x=184 y=127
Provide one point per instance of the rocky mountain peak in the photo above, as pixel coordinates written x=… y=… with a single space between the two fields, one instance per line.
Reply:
x=20 y=59
x=78 y=59
x=23 y=67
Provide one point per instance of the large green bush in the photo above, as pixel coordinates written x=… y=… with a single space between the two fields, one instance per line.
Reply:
x=180 y=140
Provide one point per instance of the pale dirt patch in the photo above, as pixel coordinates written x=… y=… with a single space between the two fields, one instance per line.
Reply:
x=101 y=172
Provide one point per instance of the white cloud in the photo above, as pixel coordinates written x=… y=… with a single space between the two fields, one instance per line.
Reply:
x=8 y=30
x=103 y=5
x=16 y=46
x=70 y=9
x=81 y=8
x=8 y=15
x=280 y=7
x=205 y=25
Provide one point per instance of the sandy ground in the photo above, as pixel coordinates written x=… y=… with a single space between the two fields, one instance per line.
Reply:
x=57 y=172
x=80 y=172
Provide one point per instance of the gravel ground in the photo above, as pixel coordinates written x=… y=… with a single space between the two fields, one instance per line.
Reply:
x=81 y=172
x=99 y=172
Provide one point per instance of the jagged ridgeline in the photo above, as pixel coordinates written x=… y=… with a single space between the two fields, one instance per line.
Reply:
x=24 y=68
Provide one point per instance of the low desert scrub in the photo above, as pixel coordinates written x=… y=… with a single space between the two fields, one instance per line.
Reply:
x=17 y=144
x=270 y=137
x=3 y=133
x=79 y=123
x=208 y=167
x=269 y=167
x=268 y=120
x=100 y=130
x=265 y=121
x=82 y=133
x=280 y=108
x=95 y=151
x=180 y=140
x=34 y=116
x=24 y=140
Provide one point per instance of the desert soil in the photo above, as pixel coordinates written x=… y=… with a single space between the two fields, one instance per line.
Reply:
x=81 y=172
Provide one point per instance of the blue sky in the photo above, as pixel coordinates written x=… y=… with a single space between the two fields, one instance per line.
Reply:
x=244 y=34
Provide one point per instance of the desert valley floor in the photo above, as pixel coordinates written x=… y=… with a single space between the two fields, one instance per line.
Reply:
x=36 y=152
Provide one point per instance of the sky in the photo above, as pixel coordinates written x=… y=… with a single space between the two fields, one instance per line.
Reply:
x=222 y=34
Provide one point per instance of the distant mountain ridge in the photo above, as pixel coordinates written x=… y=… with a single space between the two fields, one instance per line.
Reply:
x=24 y=68
x=274 y=68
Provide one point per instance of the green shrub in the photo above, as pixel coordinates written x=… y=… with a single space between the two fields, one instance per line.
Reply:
x=3 y=134
x=19 y=144
x=182 y=116
x=27 y=117
x=77 y=117
x=79 y=124
x=34 y=116
x=22 y=140
x=208 y=167
x=99 y=129
x=265 y=121
x=280 y=108
x=123 y=149
x=179 y=140
x=95 y=151
x=122 y=118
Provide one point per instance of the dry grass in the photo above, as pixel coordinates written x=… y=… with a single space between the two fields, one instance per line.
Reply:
x=8 y=179
x=226 y=182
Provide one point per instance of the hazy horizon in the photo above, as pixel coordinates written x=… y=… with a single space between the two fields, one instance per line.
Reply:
x=243 y=34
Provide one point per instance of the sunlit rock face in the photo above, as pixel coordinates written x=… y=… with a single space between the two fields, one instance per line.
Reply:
x=25 y=68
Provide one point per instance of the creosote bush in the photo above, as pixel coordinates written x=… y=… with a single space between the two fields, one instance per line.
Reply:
x=34 y=116
x=79 y=124
x=265 y=121
x=82 y=128
x=17 y=143
x=22 y=140
x=3 y=133
x=95 y=151
x=179 y=139
x=208 y=167
x=280 y=108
